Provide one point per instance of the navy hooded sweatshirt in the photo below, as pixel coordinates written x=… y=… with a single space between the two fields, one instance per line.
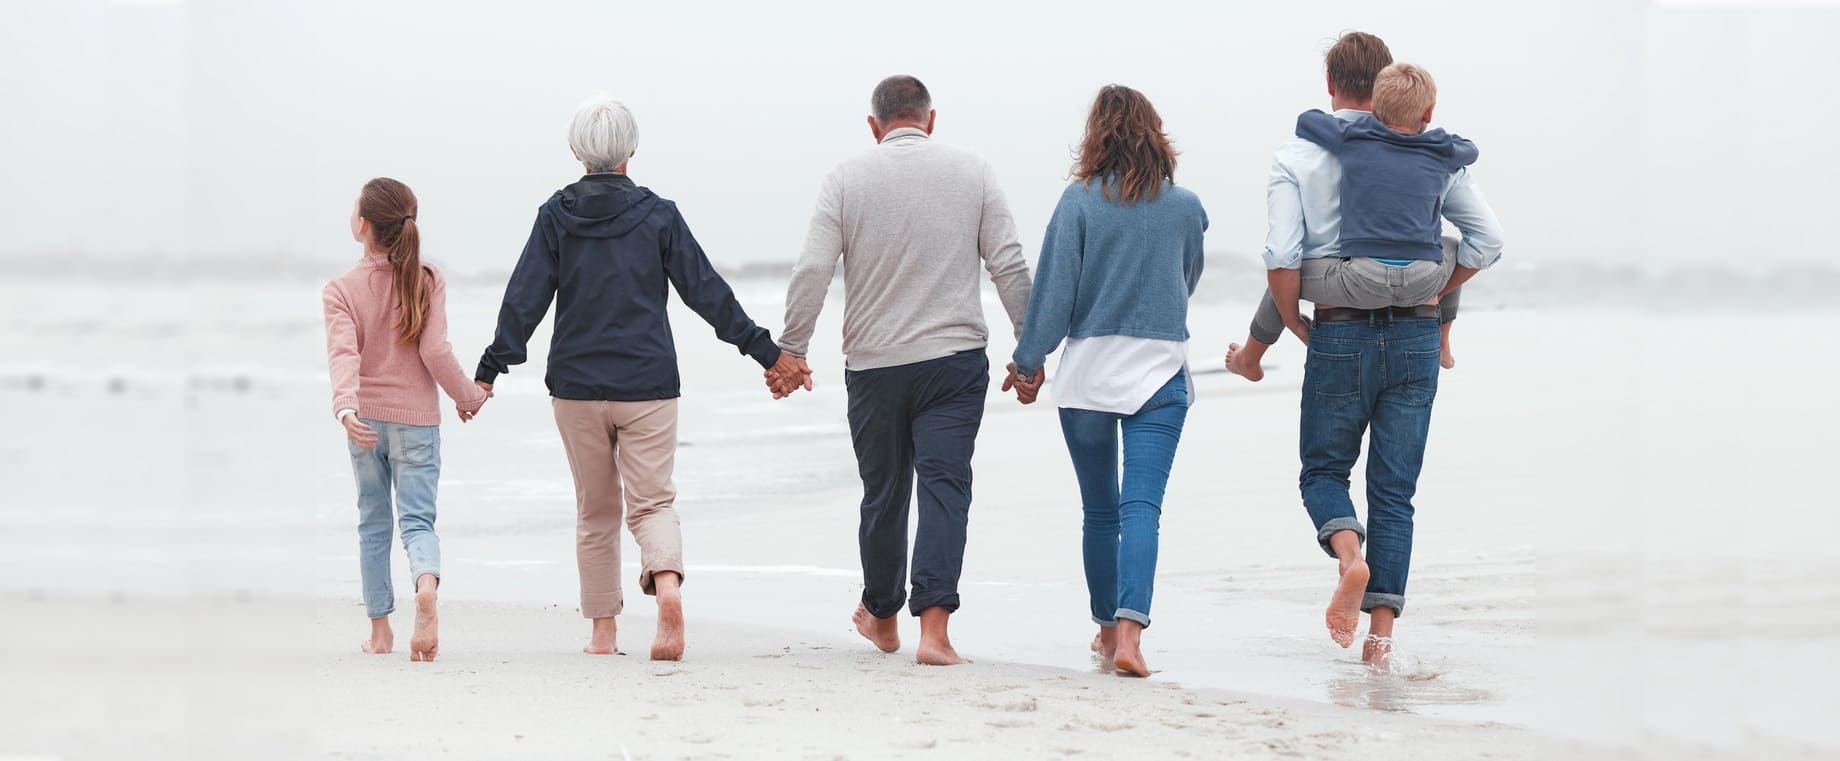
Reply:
x=604 y=250
x=1392 y=184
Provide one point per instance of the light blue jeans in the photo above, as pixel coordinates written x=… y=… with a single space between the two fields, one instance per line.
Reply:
x=407 y=459
x=1119 y=533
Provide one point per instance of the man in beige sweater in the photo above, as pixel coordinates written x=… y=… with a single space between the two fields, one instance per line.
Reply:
x=912 y=220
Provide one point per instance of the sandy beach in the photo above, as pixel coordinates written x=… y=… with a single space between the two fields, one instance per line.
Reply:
x=511 y=684
x=177 y=541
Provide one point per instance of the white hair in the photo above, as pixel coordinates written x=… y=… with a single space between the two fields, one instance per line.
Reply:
x=603 y=134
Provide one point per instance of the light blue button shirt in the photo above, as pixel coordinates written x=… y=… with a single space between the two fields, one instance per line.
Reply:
x=1303 y=208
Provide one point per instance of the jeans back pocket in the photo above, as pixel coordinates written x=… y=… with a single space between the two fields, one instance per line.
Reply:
x=1421 y=376
x=1331 y=375
x=418 y=444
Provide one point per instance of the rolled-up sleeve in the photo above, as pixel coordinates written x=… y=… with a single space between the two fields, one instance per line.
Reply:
x=1467 y=209
x=1283 y=219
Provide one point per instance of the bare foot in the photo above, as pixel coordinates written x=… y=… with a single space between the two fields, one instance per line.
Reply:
x=935 y=645
x=884 y=633
x=1377 y=652
x=1129 y=657
x=382 y=639
x=668 y=645
x=1131 y=662
x=1344 y=613
x=1105 y=643
x=426 y=640
x=1244 y=363
x=937 y=653
x=602 y=640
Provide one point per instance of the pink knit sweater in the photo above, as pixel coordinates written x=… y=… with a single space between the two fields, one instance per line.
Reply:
x=376 y=374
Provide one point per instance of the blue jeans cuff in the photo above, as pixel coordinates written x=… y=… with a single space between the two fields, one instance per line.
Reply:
x=1373 y=600
x=385 y=613
x=1104 y=622
x=1339 y=524
x=1143 y=619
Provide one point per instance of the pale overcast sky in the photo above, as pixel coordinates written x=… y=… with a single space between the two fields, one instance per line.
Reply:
x=1620 y=130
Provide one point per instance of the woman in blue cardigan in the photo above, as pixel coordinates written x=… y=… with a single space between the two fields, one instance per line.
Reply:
x=1121 y=257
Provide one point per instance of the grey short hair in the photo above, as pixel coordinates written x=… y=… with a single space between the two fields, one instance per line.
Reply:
x=900 y=97
x=603 y=134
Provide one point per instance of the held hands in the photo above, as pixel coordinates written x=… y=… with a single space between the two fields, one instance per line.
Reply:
x=787 y=375
x=1027 y=387
x=467 y=415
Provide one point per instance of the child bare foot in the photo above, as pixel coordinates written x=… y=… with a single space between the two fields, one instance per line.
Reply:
x=426 y=640
x=668 y=645
x=884 y=633
x=1344 y=613
x=382 y=639
x=602 y=640
x=1244 y=361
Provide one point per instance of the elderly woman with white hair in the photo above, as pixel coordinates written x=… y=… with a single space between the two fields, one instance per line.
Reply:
x=607 y=251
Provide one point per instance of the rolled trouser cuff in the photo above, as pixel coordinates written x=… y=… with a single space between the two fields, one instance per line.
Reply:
x=1103 y=623
x=648 y=573
x=1339 y=524
x=922 y=600
x=1373 y=600
x=601 y=604
x=1264 y=334
x=1142 y=619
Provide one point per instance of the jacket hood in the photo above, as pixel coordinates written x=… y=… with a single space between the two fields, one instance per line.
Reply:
x=602 y=205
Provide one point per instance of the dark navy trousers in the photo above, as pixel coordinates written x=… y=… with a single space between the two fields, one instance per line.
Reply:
x=911 y=423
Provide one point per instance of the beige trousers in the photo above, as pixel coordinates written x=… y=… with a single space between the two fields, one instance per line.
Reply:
x=613 y=445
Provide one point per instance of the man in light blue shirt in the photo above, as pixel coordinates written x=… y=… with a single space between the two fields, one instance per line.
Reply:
x=1303 y=247
x=1373 y=361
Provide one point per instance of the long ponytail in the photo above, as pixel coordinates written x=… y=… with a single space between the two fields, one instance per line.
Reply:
x=390 y=207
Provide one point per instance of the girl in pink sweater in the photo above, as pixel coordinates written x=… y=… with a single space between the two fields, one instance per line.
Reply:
x=386 y=344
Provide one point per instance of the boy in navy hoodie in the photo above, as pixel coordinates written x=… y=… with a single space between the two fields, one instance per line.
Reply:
x=1394 y=175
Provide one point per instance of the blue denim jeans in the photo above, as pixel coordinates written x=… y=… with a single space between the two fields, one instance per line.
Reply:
x=1377 y=378
x=407 y=460
x=1119 y=534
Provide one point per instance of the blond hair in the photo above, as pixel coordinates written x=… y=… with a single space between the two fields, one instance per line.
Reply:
x=1402 y=93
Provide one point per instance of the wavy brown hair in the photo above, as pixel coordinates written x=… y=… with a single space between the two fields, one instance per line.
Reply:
x=390 y=207
x=1125 y=148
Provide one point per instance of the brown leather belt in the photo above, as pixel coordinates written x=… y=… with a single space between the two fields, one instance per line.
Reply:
x=1387 y=314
